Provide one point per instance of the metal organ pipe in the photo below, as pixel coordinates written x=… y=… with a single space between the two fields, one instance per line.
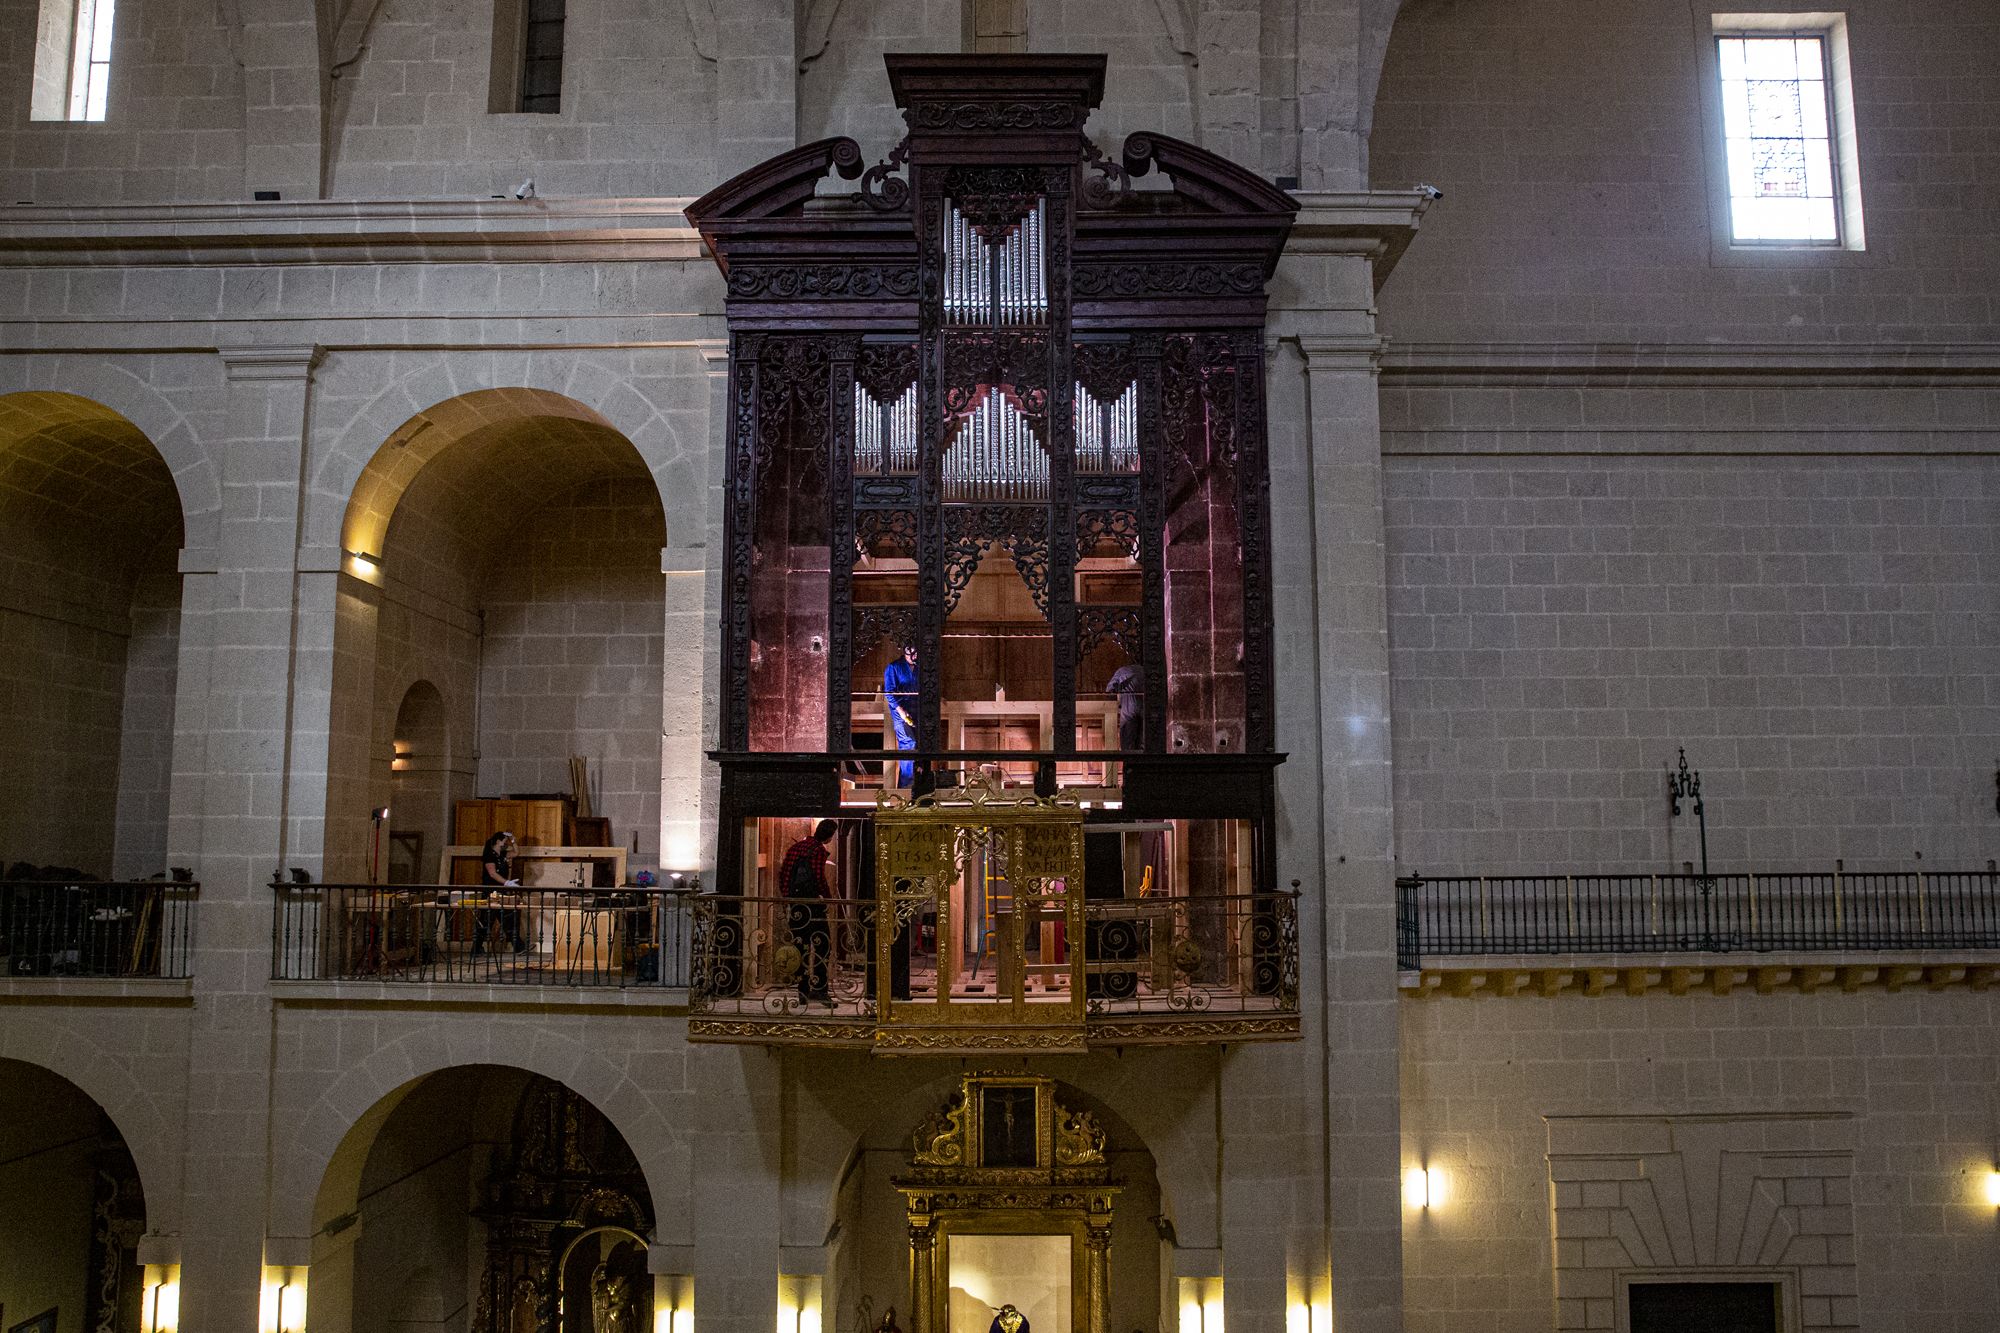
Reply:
x=1001 y=284
x=885 y=434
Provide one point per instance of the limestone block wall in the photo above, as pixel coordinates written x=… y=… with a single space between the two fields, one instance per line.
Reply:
x=63 y=692
x=1821 y=634
x=146 y=725
x=1570 y=145
x=1840 y=1139
x=411 y=116
x=573 y=650
x=174 y=126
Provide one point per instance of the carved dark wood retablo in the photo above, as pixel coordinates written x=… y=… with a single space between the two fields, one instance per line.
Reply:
x=1009 y=346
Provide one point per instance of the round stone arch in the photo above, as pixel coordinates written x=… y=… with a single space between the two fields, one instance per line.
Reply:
x=419 y=413
x=330 y=1136
x=61 y=1049
x=98 y=389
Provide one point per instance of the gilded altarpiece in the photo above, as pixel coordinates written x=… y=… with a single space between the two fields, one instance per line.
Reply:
x=1004 y=1158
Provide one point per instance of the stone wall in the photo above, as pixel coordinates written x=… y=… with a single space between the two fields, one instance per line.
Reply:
x=174 y=127
x=1821 y=634
x=411 y=116
x=1571 y=147
x=572 y=656
x=1855 y=1130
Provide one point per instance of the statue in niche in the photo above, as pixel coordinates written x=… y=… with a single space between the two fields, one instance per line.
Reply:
x=888 y=1324
x=610 y=1301
x=1008 y=1320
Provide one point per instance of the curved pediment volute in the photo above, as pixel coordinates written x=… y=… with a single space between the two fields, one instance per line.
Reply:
x=778 y=186
x=1208 y=182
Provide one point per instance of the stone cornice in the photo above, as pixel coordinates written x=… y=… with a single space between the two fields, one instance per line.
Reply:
x=1611 y=365
x=1764 y=974
x=1377 y=224
x=348 y=232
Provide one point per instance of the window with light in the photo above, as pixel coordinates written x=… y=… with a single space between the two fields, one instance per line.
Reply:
x=1778 y=127
x=72 y=78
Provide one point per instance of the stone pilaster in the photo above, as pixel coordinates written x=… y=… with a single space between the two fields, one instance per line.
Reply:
x=243 y=780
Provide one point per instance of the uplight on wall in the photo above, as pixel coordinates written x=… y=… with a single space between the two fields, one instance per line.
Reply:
x=1201 y=1305
x=798 y=1303
x=283 y=1309
x=673 y=1303
x=1308 y=1317
x=1993 y=1188
x=364 y=565
x=1424 y=1187
x=160 y=1303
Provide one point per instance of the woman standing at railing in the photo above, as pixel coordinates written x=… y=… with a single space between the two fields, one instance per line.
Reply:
x=496 y=871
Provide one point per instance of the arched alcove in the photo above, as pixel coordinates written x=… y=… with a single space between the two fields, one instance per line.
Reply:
x=480 y=1199
x=509 y=547
x=869 y=1252
x=424 y=778
x=90 y=601
x=72 y=1208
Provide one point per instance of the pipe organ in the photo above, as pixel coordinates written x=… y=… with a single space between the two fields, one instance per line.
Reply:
x=885 y=434
x=996 y=343
x=1003 y=283
x=1107 y=434
x=996 y=455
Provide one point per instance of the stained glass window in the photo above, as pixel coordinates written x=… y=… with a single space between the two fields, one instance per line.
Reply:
x=1775 y=122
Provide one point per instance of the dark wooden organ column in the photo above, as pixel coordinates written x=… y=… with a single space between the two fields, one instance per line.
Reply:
x=840 y=548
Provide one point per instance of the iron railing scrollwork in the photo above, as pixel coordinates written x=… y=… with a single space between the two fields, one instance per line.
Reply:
x=761 y=957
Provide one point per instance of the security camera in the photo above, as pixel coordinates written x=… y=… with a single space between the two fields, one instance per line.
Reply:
x=526 y=189
x=1427 y=191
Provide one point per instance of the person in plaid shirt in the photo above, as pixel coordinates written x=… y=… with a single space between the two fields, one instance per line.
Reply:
x=802 y=877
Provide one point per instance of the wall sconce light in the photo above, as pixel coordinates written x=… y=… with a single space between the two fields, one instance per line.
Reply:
x=399 y=760
x=365 y=565
x=1309 y=1317
x=673 y=1303
x=1201 y=1305
x=160 y=1303
x=1993 y=1188
x=1423 y=1187
x=283 y=1309
x=798 y=1304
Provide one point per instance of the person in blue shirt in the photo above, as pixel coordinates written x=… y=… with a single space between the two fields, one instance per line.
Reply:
x=899 y=694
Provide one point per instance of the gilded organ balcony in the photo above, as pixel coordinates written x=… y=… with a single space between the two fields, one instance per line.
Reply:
x=983 y=918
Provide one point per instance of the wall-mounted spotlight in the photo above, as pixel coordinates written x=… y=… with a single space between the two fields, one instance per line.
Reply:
x=160 y=1302
x=1993 y=1188
x=283 y=1309
x=364 y=565
x=1424 y=1187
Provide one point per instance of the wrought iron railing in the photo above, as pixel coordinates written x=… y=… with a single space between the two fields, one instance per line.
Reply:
x=817 y=959
x=139 y=928
x=1831 y=911
x=525 y=937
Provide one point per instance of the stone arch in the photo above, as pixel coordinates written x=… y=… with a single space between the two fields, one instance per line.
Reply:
x=91 y=572
x=422 y=767
x=99 y=387
x=329 y=1135
x=98 y=1074
x=358 y=473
